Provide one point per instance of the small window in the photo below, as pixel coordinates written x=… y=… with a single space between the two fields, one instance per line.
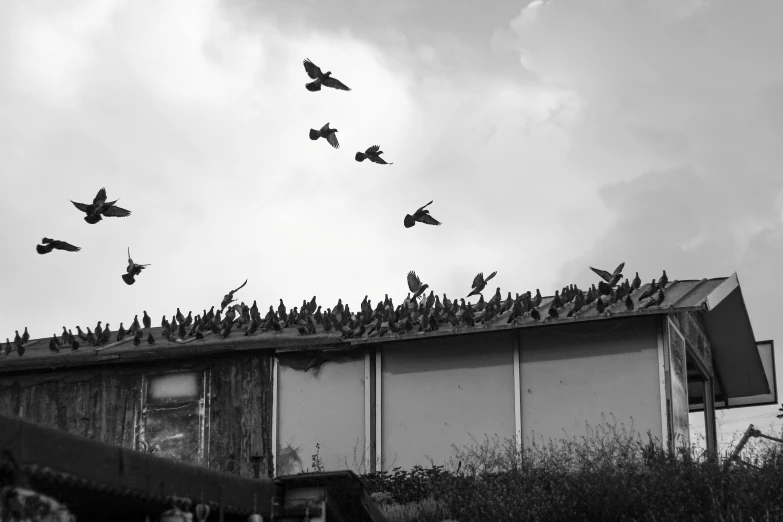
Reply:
x=174 y=416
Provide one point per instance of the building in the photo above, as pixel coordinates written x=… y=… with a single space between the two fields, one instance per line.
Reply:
x=258 y=405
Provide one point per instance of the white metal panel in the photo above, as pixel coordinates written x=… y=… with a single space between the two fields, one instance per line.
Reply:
x=321 y=411
x=579 y=378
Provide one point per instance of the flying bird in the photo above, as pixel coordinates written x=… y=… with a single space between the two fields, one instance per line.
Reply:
x=422 y=216
x=373 y=154
x=100 y=207
x=52 y=244
x=328 y=133
x=613 y=278
x=320 y=78
x=132 y=271
x=229 y=297
x=479 y=283
x=415 y=286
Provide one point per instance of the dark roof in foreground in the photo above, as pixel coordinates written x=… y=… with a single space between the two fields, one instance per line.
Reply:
x=680 y=296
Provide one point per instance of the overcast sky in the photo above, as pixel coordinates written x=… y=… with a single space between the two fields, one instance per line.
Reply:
x=550 y=135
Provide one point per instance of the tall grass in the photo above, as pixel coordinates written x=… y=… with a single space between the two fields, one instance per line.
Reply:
x=610 y=473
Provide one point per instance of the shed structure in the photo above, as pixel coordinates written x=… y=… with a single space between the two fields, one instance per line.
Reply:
x=279 y=403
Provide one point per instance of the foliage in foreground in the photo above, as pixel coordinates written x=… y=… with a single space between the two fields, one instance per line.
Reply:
x=609 y=474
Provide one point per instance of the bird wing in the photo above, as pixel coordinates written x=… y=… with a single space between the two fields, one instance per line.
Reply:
x=325 y=127
x=373 y=150
x=426 y=218
x=332 y=139
x=618 y=269
x=81 y=206
x=493 y=274
x=425 y=206
x=606 y=276
x=378 y=159
x=334 y=83
x=100 y=198
x=116 y=212
x=478 y=279
x=413 y=281
x=62 y=245
x=313 y=71
x=240 y=288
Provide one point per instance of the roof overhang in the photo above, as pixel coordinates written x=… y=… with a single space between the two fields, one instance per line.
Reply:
x=737 y=357
x=766 y=350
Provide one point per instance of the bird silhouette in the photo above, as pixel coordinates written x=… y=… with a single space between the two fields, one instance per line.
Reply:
x=479 y=283
x=321 y=78
x=328 y=133
x=613 y=278
x=373 y=154
x=53 y=244
x=100 y=208
x=422 y=216
x=132 y=271
x=415 y=286
x=229 y=297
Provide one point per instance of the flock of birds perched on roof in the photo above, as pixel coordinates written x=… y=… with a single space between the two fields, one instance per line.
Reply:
x=418 y=312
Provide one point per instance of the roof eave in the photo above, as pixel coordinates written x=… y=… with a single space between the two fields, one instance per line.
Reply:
x=735 y=351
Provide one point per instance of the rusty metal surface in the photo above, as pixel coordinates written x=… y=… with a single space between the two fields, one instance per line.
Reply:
x=680 y=296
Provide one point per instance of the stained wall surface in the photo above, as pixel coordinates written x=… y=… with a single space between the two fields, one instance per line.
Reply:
x=105 y=404
x=445 y=391
x=572 y=375
x=321 y=405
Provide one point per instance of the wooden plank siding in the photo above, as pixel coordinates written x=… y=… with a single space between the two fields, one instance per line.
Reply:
x=105 y=404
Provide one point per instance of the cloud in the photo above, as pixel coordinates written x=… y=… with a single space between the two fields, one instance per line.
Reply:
x=196 y=116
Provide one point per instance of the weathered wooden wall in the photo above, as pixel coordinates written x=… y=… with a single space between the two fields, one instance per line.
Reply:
x=104 y=404
x=241 y=415
x=101 y=404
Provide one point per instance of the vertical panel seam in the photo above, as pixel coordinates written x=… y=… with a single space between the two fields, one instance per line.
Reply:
x=517 y=392
x=275 y=413
x=378 y=409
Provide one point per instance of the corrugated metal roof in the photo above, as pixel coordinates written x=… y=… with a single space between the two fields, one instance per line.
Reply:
x=680 y=296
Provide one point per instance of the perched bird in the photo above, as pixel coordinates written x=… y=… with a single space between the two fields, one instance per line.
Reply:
x=25 y=335
x=132 y=271
x=649 y=291
x=636 y=283
x=52 y=244
x=328 y=133
x=656 y=299
x=479 y=283
x=321 y=78
x=8 y=347
x=663 y=280
x=100 y=207
x=415 y=286
x=422 y=216
x=146 y=320
x=373 y=154
x=613 y=278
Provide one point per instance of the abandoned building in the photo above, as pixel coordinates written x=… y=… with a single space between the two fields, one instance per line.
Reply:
x=264 y=404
